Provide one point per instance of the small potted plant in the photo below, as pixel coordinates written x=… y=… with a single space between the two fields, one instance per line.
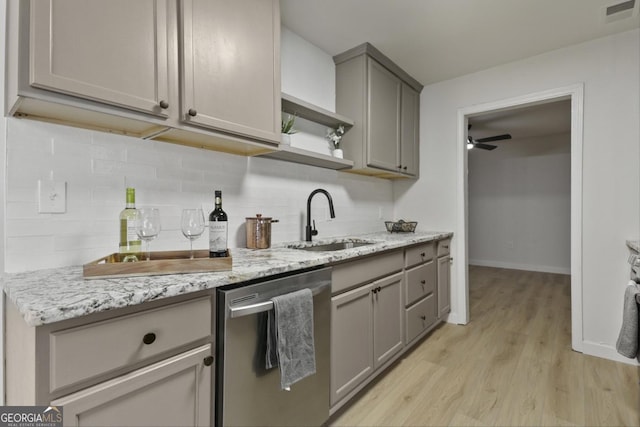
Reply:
x=335 y=136
x=287 y=129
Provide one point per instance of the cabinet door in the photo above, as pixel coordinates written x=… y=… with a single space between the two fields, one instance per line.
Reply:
x=444 y=285
x=231 y=66
x=351 y=340
x=76 y=45
x=173 y=392
x=383 y=118
x=409 y=130
x=388 y=311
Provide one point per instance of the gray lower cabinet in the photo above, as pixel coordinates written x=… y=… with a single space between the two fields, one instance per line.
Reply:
x=129 y=367
x=444 y=277
x=384 y=102
x=351 y=341
x=367 y=330
x=367 y=325
x=420 y=290
x=175 y=391
x=382 y=305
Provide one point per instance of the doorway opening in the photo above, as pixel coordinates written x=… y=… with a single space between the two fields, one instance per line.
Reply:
x=574 y=96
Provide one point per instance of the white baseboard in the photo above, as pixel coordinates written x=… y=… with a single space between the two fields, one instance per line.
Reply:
x=514 y=266
x=606 y=352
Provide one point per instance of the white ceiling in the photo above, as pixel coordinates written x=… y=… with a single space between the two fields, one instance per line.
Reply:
x=435 y=40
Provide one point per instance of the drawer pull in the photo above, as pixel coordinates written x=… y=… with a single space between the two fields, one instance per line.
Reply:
x=192 y=112
x=164 y=104
x=423 y=317
x=423 y=254
x=424 y=282
x=149 y=338
x=208 y=361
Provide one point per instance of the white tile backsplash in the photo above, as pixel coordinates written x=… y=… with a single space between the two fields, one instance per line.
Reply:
x=97 y=167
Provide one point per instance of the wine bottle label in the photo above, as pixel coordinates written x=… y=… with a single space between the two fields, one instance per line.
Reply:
x=217 y=236
x=132 y=236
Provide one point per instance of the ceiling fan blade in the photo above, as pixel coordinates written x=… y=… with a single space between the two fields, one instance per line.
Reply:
x=494 y=138
x=484 y=146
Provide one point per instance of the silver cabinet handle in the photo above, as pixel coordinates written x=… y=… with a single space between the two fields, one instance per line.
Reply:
x=260 y=307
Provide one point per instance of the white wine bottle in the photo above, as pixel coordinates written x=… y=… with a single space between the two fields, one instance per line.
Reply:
x=130 y=245
x=218 y=229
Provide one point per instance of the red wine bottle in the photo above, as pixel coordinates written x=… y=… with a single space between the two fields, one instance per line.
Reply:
x=218 y=229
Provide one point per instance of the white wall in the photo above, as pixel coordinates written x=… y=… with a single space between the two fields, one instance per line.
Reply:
x=95 y=166
x=307 y=71
x=610 y=70
x=520 y=205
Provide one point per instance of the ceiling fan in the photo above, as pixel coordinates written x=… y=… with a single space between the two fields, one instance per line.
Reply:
x=480 y=143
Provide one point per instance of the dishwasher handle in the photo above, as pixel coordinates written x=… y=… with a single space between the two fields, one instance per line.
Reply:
x=260 y=307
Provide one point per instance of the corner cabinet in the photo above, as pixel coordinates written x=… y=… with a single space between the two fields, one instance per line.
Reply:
x=385 y=104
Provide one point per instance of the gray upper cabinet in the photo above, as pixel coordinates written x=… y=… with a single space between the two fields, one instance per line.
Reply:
x=383 y=117
x=77 y=45
x=410 y=130
x=230 y=62
x=193 y=72
x=384 y=102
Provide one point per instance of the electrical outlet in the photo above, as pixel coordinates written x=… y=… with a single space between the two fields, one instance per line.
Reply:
x=52 y=197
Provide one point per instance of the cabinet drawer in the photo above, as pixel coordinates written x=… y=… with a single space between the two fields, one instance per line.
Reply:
x=420 y=281
x=420 y=317
x=84 y=352
x=417 y=254
x=444 y=247
x=350 y=274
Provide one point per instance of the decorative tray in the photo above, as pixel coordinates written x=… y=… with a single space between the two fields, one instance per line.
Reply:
x=165 y=262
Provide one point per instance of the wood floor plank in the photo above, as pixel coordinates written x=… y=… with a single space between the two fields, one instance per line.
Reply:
x=565 y=388
x=511 y=365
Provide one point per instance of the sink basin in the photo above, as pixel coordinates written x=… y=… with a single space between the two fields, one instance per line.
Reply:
x=336 y=246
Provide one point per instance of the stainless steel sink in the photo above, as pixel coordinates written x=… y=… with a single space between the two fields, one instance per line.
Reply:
x=329 y=247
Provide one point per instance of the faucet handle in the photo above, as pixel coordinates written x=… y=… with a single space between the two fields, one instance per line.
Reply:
x=314 y=232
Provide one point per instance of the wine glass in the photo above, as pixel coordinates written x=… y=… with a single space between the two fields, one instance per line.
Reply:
x=148 y=225
x=192 y=224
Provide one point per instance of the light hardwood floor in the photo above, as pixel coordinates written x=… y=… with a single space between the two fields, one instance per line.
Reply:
x=512 y=365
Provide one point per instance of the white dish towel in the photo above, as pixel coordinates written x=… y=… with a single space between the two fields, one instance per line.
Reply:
x=628 y=340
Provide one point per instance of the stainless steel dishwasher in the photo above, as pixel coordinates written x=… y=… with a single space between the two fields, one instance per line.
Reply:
x=246 y=393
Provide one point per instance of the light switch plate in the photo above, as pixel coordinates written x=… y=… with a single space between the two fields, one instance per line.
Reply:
x=52 y=197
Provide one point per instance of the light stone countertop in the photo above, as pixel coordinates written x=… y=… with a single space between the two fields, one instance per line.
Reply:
x=53 y=295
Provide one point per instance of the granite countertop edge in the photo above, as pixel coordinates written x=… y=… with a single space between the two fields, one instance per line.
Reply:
x=53 y=295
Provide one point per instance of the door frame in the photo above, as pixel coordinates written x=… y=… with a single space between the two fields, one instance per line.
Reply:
x=576 y=94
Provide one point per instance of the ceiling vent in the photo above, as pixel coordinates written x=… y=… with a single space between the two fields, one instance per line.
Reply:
x=618 y=11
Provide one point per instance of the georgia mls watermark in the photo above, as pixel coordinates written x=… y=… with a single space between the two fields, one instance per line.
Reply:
x=30 y=416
